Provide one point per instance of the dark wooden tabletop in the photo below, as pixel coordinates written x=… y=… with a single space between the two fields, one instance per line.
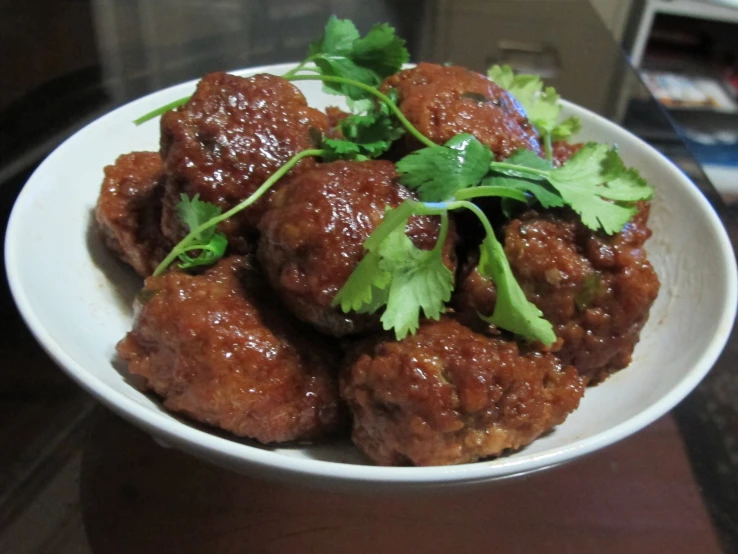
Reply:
x=118 y=491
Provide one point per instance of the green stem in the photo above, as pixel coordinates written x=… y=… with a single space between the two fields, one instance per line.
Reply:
x=503 y=166
x=184 y=244
x=476 y=192
x=480 y=215
x=371 y=90
x=443 y=234
x=291 y=73
x=391 y=221
x=160 y=111
x=547 y=147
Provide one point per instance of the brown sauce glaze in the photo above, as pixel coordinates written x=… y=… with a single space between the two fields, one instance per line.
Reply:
x=217 y=349
x=313 y=237
x=231 y=136
x=444 y=101
x=128 y=210
x=448 y=395
x=596 y=290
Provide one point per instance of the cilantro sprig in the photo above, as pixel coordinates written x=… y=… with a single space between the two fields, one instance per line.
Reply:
x=541 y=104
x=209 y=243
x=202 y=236
x=594 y=183
x=367 y=134
x=394 y=275
x=342 y=52
x=398 y=276
x=405 y=280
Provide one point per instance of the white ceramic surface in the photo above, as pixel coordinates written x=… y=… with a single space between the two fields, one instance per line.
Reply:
x=76 y=299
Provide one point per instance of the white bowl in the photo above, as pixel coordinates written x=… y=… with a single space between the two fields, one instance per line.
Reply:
x=75 y=297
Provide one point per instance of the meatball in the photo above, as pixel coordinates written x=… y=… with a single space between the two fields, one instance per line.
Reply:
x=312 y=237
x=217 y=350
x=128 y=210
x=335 y=117
x=445 y=101
x=448 y=395
x=227 y=140
x=563 y=150
x=596 y=290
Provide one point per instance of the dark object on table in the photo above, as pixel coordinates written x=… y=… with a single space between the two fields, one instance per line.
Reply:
x=219 y=351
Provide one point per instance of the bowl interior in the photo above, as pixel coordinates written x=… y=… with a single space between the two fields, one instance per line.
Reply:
x=76 y=297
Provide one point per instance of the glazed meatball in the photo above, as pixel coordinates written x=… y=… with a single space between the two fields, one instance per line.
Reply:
x=335 y=117
x=562 y=151
x=445 y=101
x=596 y=290
x=312 y=237
x=217 y=350
x=448 y=395
x=227 y=140
x=128 y=210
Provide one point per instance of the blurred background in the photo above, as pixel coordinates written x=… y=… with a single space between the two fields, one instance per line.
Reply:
x=89 y=55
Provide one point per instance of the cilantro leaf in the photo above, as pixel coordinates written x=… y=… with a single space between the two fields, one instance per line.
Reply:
x=338 y=37
x=210 y=243
x=339 y=149
x=541 y=105
x=513 y=312
x=528 y=158
x=544 y=110
x=570 y=126
x=381 y=51
x=420 y=281
x=531 y=184
x=593 y=176
x=342 y=53
x=208 y=252
x=540 y=190
x=365 y=288
x=397 y=275
x=366 y=135
x=194 y=212
x=594 y=183
x=437 y=172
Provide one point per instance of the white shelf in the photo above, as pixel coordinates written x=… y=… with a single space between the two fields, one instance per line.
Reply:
x=714 y=10
x=724 y=178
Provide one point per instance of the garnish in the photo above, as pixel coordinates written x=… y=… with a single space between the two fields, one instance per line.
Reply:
x=161 y=111
x=399 y=276
x=193 y=238
x=341 y=52
x=210 y=243
x=594 y=183
x=513 y=311
x=541 y=104
x=436 y=172
x=369 y=134
x=406 y=280
x=394 y=274
x=537 y=187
